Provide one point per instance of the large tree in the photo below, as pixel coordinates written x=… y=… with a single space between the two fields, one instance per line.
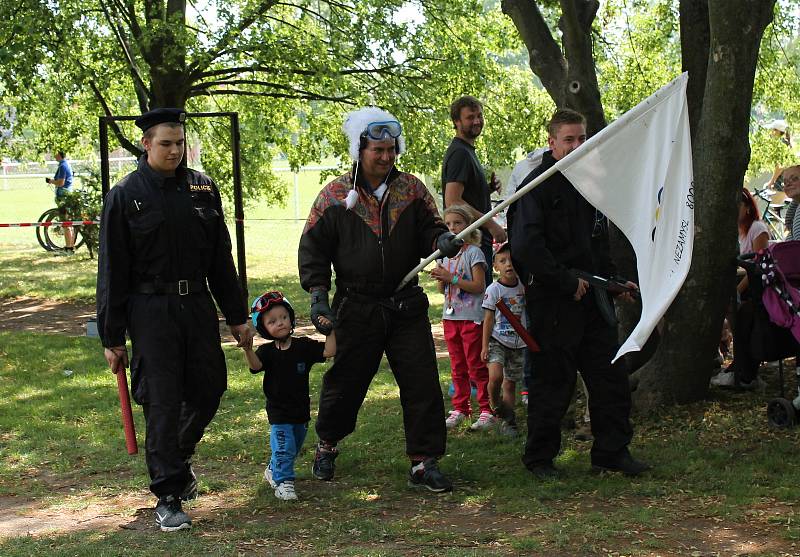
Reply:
x=720 y=43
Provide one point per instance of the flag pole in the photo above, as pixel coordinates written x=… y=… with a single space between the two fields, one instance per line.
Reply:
x=485 y=218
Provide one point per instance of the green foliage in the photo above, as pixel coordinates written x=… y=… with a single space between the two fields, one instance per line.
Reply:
x=639 y=51
x=776 y=81
x=86 y=204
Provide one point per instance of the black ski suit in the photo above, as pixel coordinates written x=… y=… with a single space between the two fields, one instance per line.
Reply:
x=371 y=247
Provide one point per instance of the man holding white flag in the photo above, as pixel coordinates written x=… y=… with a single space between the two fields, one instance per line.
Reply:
x=555 y=232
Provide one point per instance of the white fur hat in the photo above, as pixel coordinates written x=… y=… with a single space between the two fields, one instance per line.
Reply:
x=356 y=122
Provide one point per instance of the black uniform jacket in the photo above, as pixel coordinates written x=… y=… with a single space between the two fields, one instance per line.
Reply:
x=373 y=245
x=555 y=229
x=162 y=229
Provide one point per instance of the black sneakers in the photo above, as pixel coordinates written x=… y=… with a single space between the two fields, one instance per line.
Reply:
x=190 y=491
x=324 y=466
x=427 y=475
x=544 y=471
x=624 y=463
x=170 y=516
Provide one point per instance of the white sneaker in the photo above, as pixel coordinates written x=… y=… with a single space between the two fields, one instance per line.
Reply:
x=285 y=491
x=454 y=419
x=485 y=421
x=268 y=477
x=723 y=379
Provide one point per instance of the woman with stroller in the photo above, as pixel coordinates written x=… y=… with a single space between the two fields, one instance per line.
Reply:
x=753 y=237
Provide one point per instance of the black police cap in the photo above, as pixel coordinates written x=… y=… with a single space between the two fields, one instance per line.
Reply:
x=160 y=116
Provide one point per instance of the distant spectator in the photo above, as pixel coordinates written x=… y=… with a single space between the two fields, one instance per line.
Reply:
x=753 y=236
x=63 y=183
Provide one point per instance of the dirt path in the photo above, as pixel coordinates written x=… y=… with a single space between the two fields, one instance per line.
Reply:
x=45 y=316
x=689 y=533
x=70 y=318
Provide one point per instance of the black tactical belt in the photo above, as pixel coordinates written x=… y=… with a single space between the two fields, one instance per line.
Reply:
x=181 y=287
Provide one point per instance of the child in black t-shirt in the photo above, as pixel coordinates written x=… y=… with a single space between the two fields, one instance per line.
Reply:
x=286 y=363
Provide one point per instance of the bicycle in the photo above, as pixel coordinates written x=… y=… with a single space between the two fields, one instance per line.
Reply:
x=52 y=237
x=775 y=202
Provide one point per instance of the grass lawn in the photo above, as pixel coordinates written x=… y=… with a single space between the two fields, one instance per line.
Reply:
x=724 y=483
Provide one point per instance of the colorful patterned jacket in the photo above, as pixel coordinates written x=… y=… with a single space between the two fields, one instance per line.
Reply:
x=371 y=246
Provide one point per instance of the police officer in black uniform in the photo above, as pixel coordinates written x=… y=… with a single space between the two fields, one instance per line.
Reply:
x=163 y=246
x=554 y=231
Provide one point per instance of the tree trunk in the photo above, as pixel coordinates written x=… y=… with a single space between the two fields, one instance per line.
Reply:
x=166 y=53
x=582 y=93
x=569 y=77
x=694 y=55
x=680 y=369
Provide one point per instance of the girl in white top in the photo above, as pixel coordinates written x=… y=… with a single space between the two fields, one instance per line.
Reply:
x=462 y=279
x=753 y=232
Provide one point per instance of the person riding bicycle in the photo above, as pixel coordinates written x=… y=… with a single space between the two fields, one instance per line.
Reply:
x=63 y=183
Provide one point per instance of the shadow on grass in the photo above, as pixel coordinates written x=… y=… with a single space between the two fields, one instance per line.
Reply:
x=716 y=460
x=45 y=275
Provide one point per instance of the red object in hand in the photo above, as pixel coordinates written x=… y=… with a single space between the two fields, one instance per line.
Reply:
x=521 y=330
x=127 y=414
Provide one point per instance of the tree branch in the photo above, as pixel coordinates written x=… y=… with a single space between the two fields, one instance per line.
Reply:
x=695 y=41
x=123 y=141
x=136 y=30
x=301 y=95
x=546 y=59
x=582 y=92
x=388 y=69
x=232 y=32
x=142 y=92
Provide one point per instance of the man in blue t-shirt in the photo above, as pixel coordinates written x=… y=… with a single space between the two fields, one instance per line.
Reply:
x=63 y=183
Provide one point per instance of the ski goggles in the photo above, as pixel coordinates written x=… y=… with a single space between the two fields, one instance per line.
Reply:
x=267 y=301
x=378 y=131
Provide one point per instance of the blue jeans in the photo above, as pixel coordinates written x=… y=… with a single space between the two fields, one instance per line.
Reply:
x=285 y=440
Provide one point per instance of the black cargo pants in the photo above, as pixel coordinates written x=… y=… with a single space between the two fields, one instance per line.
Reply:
x=178 y=375
x=590 y=349
x=365 y=328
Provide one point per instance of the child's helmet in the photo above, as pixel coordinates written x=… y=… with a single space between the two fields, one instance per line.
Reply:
x=266 y=302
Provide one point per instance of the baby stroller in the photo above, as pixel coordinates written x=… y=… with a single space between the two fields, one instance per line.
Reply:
x=774 y=277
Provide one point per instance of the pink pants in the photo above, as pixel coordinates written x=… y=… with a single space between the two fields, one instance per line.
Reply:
x=464 y=345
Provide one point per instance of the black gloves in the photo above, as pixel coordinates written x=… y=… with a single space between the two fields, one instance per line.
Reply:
x=321 y=308
x=448 y=244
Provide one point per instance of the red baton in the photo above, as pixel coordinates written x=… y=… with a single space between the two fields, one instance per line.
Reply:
x=127 y=415
x=517 y=325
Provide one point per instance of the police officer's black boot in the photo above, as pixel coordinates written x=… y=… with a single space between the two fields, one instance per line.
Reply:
x=324 y=457
x=623 y=462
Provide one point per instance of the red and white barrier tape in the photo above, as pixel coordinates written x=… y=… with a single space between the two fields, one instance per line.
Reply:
x=64 y=224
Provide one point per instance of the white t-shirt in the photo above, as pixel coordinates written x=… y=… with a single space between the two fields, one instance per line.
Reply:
x=746 y=242
x=514 y=298
x=460 y=305
x=524 y=167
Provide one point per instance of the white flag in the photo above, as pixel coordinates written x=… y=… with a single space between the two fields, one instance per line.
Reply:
x=638 y=172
